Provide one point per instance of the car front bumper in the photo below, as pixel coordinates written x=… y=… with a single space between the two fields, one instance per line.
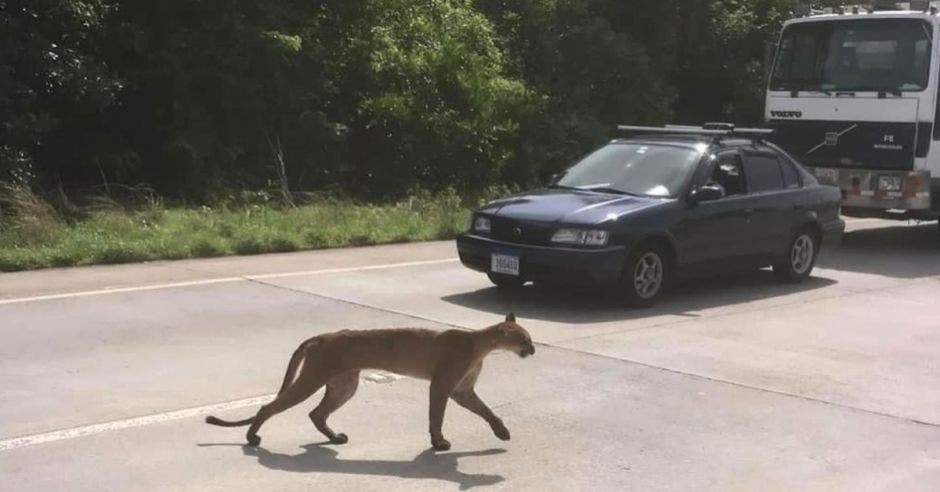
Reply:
x=544 y=263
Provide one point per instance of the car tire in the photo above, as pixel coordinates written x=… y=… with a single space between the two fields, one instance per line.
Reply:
x=801 y=257
x=505 y=281
x=645 y=276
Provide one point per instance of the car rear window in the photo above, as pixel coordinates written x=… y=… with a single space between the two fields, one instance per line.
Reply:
x=791 y=178
x=762 y=172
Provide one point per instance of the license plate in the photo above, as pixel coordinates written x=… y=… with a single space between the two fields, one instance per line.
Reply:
x=505 y=264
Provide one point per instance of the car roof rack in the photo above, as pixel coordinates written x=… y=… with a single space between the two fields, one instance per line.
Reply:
x=716 y=130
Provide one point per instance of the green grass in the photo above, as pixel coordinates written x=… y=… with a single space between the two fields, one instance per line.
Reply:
x=32 y=239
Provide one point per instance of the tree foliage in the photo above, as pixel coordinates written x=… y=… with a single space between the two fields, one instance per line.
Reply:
x=372 y=97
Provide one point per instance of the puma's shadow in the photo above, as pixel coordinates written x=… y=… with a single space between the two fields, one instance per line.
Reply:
x=427 y=465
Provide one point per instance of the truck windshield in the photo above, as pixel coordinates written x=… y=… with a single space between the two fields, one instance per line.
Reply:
x=633 y=168
x=884 y=55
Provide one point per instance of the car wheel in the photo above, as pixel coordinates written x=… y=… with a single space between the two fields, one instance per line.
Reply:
x=644 y=276
x=505 y=281
x=800 y=259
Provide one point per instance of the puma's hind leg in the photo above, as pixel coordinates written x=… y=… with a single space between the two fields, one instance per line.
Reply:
x=299 y=391
x=338 y=391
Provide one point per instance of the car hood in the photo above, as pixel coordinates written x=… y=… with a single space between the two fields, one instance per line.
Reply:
x=569 y=206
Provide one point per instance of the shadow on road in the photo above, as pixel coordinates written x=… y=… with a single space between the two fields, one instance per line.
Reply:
x=586 y=305
x=316 y=458
x=900 y=251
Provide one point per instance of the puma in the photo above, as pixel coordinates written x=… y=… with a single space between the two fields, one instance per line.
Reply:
x=451 y=360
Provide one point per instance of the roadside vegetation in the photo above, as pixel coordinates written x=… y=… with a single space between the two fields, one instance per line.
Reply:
x=370 y=97
x=34 y=235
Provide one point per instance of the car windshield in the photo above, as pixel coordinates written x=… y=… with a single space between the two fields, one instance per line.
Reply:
x=885 y=55
x=633 y=168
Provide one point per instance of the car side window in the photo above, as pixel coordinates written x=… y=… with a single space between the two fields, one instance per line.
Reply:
x=729 y=174
x=763 y=172
x=791 y=178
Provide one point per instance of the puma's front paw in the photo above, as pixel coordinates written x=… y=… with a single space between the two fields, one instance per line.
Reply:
x=501 y=431
x=441 y=444
x=339 y=439
x=254 y=440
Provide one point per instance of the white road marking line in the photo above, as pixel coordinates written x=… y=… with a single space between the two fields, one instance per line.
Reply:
x=349 y=269
x=887 y=222
x=223 y=280
x=88 y=430
x=380 y=377
x=119 y=290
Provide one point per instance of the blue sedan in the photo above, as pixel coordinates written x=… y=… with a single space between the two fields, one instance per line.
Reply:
x=639 y=210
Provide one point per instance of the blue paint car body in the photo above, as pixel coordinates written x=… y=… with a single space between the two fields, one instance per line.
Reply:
x=746 y=228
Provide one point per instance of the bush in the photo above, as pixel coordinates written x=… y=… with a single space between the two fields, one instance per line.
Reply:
x=26 y=219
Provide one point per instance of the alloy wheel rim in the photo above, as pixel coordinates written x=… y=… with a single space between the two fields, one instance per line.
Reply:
x=648 y=275
x=801 y=256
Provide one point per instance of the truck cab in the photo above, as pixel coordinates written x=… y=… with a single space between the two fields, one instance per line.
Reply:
x=853 y=94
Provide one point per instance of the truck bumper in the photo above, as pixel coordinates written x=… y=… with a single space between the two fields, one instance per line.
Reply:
x=873 y=193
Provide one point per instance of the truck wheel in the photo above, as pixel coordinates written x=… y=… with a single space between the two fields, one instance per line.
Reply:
x=505 y=281
x=644 y=276
x=800 y=259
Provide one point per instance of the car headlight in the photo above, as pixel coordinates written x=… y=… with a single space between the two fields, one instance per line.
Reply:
x=481 y=224
x=581 y=236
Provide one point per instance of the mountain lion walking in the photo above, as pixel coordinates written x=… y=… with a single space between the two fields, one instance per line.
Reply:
x=450 y=359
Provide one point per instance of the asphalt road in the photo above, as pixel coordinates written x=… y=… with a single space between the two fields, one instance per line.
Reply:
x=737 y=383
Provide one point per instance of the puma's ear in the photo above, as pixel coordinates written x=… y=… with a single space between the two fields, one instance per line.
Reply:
x=511 y=318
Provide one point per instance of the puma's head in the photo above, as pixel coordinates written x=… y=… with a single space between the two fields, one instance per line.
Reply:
x=514 y=338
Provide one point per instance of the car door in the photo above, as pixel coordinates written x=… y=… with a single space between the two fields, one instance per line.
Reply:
x=718 y=230
x=798 y=208
x=772 y=201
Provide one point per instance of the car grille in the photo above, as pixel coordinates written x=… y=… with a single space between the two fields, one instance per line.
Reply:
x=520 y=232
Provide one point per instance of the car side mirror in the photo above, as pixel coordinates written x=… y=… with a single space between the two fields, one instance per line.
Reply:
x=706 y=193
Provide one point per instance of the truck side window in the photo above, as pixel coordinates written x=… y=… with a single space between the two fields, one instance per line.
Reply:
x=763 y=172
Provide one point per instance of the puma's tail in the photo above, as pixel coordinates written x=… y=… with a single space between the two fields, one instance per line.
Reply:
x=227 y=423
x=295 y=359
x=292 y=366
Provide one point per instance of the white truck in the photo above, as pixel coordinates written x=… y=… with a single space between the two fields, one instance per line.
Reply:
x=854 y=94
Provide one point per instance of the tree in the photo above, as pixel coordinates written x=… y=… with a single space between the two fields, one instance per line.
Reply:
x=369 y=96
x=54 y=85
x=438 y=109
x=598 y=63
